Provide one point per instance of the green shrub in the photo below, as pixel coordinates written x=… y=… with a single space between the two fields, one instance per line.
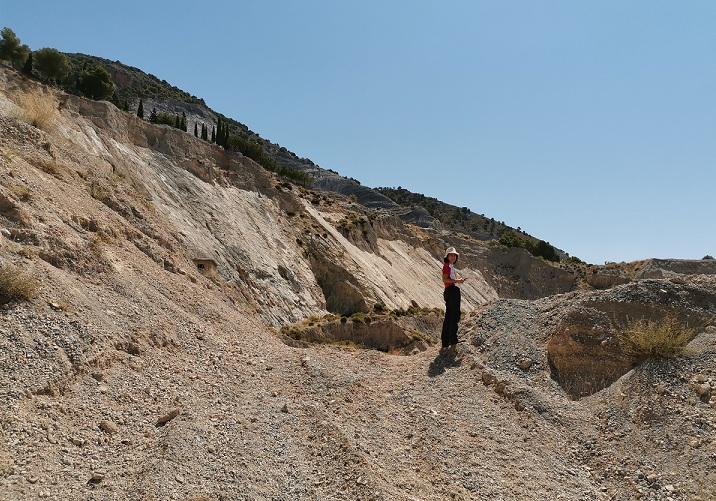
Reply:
x=51 y=64
x=96 y=83
x=11 y=49
x=358 y=317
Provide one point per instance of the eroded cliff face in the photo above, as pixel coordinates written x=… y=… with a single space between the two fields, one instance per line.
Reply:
x=169 y=199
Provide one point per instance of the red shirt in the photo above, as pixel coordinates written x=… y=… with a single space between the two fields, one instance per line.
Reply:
x=449 y=270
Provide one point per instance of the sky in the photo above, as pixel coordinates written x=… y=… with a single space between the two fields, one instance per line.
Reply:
x=591 y=125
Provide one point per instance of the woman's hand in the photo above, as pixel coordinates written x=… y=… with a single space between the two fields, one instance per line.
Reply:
x=459 y=280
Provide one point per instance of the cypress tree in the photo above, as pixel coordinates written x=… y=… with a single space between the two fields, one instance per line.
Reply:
x=125 y=105
x=213 y=134
x=27 y=69
x=221 y=133
x=196 y=130
x=153 y=116
x=224 y=134
x=183 y=121
x=204 y=132
x=140 y=110
x=177 y=122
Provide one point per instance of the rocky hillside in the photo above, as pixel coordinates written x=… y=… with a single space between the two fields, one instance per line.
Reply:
x=133 y=84
x=178 y=323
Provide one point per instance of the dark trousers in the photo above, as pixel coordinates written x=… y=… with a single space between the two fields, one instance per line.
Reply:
x=452 y=315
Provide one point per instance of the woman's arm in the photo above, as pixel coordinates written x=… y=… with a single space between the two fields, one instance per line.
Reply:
x=447 y=280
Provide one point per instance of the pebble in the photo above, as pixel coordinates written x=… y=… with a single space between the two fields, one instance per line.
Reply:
x=524 y=363
x=168 y=416
x=108 y=427
x=96 y=477
x=79 y=442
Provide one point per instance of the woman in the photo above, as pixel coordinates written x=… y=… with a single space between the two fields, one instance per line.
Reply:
x=452 y=299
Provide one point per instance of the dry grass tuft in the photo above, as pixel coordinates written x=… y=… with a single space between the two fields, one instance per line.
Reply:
x=21 y=192
x=650 y=338
x=51 y=167
x=37 y=109
x=16 y=285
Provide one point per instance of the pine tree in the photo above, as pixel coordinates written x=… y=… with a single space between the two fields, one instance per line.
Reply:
x=153 y=116
x=183 y=121
x=140 y=110
x=196 y=130
x=27 y=69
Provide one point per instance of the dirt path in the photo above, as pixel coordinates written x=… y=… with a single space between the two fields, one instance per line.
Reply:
x=356 y=425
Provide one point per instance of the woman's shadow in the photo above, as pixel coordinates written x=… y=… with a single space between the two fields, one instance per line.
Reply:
x=442 y=361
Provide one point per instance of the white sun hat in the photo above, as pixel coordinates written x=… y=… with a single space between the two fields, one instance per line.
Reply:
x=451 y=250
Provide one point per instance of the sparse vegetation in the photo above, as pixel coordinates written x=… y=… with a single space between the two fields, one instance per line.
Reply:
x=707 y=256
x=359 y=317
x=256 y=153
x=538 y=248
x=663 y=338
x=16 y=285
x=37 y=108
x=21 y=192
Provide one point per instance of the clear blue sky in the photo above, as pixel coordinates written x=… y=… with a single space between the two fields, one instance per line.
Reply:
x=589 y=124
